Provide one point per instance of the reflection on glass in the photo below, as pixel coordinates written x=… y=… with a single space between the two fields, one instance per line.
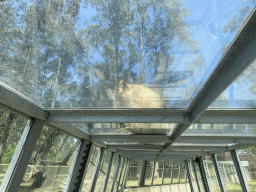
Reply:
x=134 y=173
x=50 y=164
x=247 y=157
x=11 y=128
x=175 y=173
x=123 y=174
x=198 y=174
x=90 y=172
x=241 y=93
x=112 y=171
x=119 y=54
x=211 y=175
x=149 y=173
x=182 y=173
x=222 y=129
x=193 y=176
x=102 y=171
x=167 y=173
x=128 y=128
x=121 y=164
x=158 y=173
x=228 y=172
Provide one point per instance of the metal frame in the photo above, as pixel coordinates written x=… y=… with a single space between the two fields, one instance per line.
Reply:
x=16 y=170
x=236 y=59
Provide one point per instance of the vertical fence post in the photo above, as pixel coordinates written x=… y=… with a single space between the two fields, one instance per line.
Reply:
x=179 y=175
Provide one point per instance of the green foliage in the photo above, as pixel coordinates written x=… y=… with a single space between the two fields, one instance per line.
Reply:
x=6 y=159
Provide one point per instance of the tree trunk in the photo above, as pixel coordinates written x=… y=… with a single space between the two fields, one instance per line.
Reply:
x=5 y=134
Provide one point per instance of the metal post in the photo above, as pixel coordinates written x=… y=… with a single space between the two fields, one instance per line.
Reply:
x=186 y=175
x=153 y=173
x=81 y=165
x=163 y=175
x=116 y=171
x=239 y=171
x=179 y=175
x=119 y=179
x=189 y=176
x=105 y=183
x=172 y=172
x=194 y=169
x=97 y=169
x=204 y=174
x=217 y=172
x=143 y=173
x=17 y=167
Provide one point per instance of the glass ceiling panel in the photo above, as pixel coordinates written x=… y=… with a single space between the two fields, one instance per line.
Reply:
x=241 y=93
x=222 y=129
x=126 y=128
x=115 y=54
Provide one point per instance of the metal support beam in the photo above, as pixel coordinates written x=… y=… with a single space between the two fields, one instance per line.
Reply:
x=130 y=138
x=130 y=146
x=143 y=171
x=97 y=169
x=71 y=129
x=217 y=172
x=239 y=171
x=104 y=184
x=17 y=167
x=153 y=173
x=116 y=116
x=204 y=174
x=209 y=116
x=189 y=176
x=81 y=166
x=17 y=102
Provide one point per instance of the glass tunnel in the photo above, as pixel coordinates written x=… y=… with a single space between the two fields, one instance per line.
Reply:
x=127 y=96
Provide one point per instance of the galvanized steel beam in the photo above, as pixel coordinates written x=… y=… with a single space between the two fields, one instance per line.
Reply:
x=14 y=101
x=239 y=171
x=21 y=157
